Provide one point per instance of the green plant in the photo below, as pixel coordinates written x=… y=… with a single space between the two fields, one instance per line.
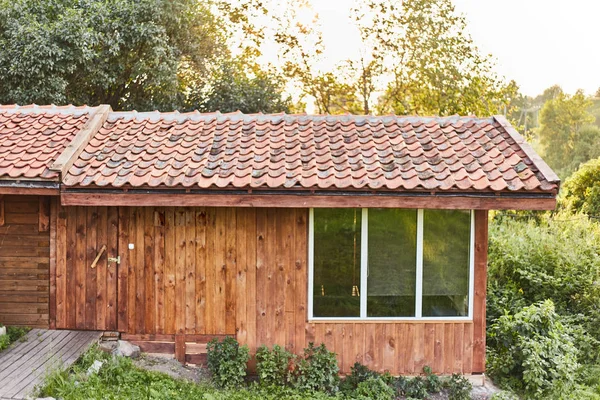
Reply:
x=16 y=332
x=274 y=367
x=415 y=388
x=374 y=388
x=358 y=373
x=4 y=342
x=317 y=370
x=459 y=388
x=532 y=351
x=504 y=395
x=227 y=362
x=433 y=382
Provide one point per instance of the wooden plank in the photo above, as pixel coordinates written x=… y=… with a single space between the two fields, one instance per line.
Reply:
x=101 y=269
x=231 y=271
x=70 y=154
x=220 y=273
x=1 y=210
x=481 y=250
x=200 y=260
x=241 y=273
x=190 y=271
x=468 y=349
x=123 y=269
x=401 y=348
x=180 y=245
x=170 y=270
x=159 y=267
x=140 y=268
x=251 y=288
x=112 y=268
x=209 y=317
x=70 y=267
x=180 y=348
x=53 y=257
x=379 y=347
x=448 y=367
x=458 y=201
x=301 y=276
x=261 y=277
x=132 y=271
x=409 y=360
x=43 y=214
x=439 y=349
x=389 y=348
x=90 y=274
x=459 y=332
x=80 y=268
x=370 y=344
x=149 y=300
x=28 y=190
x=269 y=284
x=358 y=351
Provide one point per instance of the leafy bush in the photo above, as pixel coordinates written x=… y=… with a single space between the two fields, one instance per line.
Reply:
x=4 y=342
x=274 y=367
x=227 y=362
x=433 y=382
x=504 y=395
x=555 y=258
x=414 y=388
x=317 y=370
x=532 y=352
x=459 y=388
x=358 y=373
x=581 y=192
x=374 y=388
x=13 y=333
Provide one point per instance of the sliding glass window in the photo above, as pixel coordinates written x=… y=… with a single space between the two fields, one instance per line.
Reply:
x=390 y=263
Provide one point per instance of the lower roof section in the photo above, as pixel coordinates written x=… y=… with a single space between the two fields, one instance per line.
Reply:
x=465 y=201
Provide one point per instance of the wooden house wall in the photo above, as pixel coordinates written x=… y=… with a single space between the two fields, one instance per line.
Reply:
x=24 y=260
x=237 y=271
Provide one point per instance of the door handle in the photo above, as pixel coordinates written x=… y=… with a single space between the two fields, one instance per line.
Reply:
x=102 y=250
x=115 y=259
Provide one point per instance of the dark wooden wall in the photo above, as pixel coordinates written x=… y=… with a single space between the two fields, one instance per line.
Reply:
x=24 y=260
x=237 y=271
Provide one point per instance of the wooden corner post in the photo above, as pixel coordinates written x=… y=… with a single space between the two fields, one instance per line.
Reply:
x=481 y=251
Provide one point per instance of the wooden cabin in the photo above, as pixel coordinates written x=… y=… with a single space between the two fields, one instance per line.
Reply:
x=368 y=234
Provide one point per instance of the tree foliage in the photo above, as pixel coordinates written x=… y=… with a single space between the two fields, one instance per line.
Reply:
x=434 y=64
x=562 y=134
x=581 y=192
x=119 y=52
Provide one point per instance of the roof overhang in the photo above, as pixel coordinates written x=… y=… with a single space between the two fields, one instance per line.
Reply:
x=300 y=199
x=27 y=187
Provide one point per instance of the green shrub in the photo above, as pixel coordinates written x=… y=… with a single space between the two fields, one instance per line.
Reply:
x=227 y=362
x=274 y=367
x=532 y=352
x=433 y=382
x=374 y=388
x=4 y=342
x=16 y=332
x=459 y=388
x=358 y=373
x=504 y=395
x=414 y=388
x=317 y=370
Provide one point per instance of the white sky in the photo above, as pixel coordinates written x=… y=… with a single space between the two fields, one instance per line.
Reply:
x=538 y=43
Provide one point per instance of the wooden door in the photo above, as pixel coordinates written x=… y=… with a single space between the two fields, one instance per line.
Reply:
x=86 y=268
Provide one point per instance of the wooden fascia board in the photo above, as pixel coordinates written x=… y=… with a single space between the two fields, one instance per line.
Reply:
x=306 y=201
x=68 y=157
x=529 y=151
x=32 y=190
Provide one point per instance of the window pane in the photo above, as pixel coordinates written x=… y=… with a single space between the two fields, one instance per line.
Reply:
x=392 y=263
x=336 y=262
x=446 y=248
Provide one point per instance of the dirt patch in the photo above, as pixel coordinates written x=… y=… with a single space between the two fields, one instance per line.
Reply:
x=168 y=365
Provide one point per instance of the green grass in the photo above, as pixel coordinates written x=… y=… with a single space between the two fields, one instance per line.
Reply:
x=13 y=333
x=120 y=379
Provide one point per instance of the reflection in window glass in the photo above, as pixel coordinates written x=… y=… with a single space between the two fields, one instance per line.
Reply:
x=392 y=263
x=336 y=291
x=446 y=247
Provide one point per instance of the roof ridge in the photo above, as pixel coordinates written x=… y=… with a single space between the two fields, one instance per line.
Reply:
x=70 y=154
x=33 y=108
x=541 y=165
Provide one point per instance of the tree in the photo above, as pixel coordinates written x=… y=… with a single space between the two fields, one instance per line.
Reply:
x=119 y=52
x=434 y=64
x=241 y=85
x=581 y=192
x=561 y=121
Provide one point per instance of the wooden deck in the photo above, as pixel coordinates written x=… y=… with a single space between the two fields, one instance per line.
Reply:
x=25 y=365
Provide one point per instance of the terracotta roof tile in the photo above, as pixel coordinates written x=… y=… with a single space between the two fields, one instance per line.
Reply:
x=272 y=151
x=282 y=151
x=32 y=137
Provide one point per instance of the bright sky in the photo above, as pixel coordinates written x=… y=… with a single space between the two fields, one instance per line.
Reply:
x=538 y=43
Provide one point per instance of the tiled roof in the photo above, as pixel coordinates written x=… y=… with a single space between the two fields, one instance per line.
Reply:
x=309 y=152
x=32 y=137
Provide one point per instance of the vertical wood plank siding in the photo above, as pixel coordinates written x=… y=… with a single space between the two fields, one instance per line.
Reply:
x=242 y=272
x=25 y=261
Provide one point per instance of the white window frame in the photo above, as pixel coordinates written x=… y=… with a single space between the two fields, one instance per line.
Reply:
x=364 y=254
